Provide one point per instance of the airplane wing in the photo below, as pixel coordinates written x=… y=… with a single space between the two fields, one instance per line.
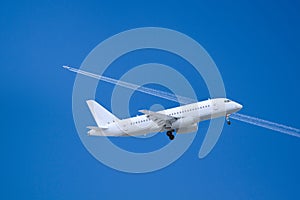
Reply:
x=159 y=118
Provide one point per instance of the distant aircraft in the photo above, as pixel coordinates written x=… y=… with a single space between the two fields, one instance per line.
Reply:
x=182 y=119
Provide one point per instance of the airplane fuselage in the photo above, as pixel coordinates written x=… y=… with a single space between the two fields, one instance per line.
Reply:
x=182 y=119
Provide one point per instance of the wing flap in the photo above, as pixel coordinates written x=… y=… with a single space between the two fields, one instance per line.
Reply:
x=156 y=115
x=159 y=118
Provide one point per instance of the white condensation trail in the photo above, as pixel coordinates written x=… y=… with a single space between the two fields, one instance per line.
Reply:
x=267 y=124
x=185 y=100
x=158 y=93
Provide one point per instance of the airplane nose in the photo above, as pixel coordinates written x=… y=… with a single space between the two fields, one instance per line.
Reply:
x=238 y=106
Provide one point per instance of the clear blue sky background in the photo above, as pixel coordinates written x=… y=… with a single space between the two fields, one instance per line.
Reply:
x=255 y=45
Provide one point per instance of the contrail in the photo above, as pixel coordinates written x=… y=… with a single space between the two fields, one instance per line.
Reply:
x=267 y=124
x=158 y=93
x=185 y=100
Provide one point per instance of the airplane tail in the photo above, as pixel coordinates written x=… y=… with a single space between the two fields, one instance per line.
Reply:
x=100 y=114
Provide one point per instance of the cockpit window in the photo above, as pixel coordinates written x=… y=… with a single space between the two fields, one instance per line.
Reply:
x=226 y=100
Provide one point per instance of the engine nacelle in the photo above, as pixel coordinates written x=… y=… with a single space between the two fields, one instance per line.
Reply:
x=189 y=129
x=183 y=122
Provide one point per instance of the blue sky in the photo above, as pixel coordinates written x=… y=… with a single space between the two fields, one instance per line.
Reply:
x=255 y=45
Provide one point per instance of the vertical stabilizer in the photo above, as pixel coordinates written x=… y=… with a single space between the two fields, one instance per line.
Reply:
x=100 y=114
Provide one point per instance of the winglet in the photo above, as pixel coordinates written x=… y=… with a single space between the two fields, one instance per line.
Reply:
x=146 y=112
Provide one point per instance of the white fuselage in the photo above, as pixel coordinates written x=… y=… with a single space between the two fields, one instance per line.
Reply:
x=188 y=117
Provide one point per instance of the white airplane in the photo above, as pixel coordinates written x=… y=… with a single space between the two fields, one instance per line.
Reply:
x=182 y=119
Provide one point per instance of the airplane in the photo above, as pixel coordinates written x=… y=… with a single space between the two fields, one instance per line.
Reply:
x=182 y=119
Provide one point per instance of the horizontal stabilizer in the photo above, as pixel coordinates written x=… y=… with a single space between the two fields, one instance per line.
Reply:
x=96 y=128
x=100 y=131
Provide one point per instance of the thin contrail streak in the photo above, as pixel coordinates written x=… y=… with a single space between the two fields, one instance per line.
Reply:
x=158 y=93
x=185 y=100
x=267 y=124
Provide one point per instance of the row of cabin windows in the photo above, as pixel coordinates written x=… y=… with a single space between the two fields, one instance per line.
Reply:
x=189 y=110
x=137 y=122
